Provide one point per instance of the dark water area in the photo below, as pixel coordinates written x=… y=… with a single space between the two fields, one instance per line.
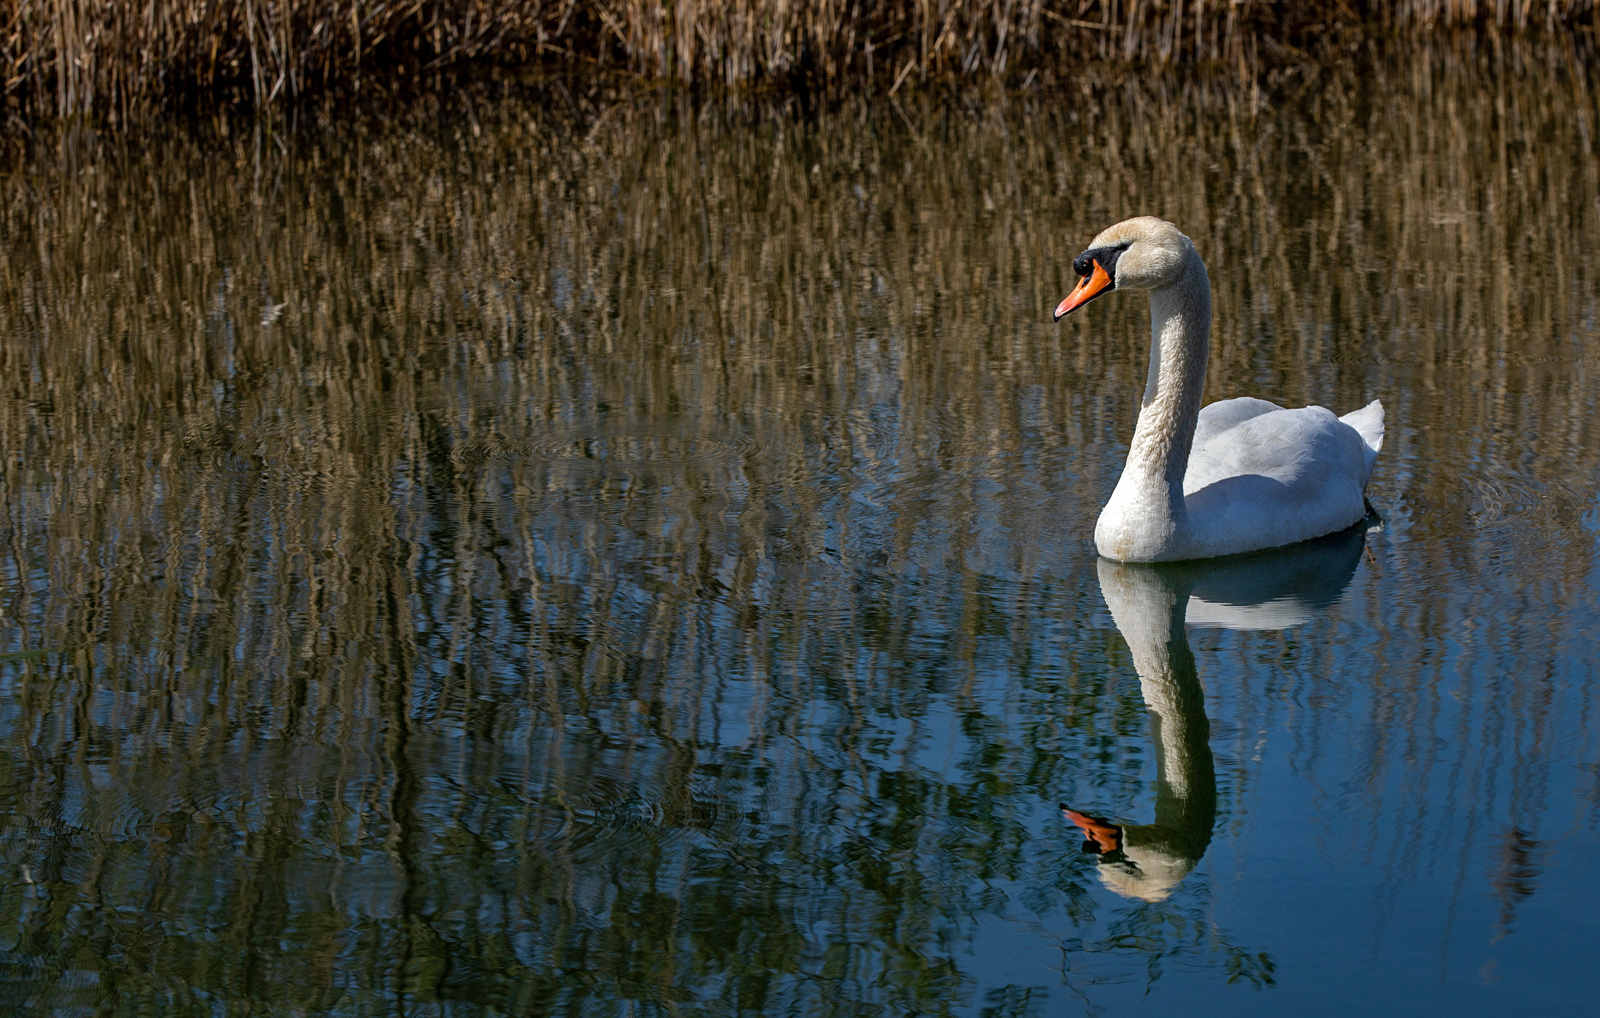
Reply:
x=544 y=555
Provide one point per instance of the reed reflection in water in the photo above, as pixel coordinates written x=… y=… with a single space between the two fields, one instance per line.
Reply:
x=538 y=557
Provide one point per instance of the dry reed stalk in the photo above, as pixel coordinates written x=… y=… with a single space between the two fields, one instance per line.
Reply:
x=119 y=59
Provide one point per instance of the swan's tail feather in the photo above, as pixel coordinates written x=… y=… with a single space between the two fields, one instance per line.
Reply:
x=1368 y=422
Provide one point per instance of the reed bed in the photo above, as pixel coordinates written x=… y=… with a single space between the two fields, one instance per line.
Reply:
x=118 y=59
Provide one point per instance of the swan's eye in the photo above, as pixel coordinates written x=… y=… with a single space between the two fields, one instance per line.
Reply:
x=1106 y=256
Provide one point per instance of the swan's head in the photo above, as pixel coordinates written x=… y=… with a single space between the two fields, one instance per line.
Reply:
x=1145 y=253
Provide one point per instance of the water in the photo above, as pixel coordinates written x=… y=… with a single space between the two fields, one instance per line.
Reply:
x=566 y=553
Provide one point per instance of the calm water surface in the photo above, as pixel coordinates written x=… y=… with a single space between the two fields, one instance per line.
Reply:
x=561 y=556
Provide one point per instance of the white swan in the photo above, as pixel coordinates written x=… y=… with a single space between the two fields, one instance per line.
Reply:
x=1240 y=475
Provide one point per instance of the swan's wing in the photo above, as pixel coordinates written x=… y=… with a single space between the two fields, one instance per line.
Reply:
x=1209 y=457
x=1274 y=479
x=1218 y=417
x=1303 y=449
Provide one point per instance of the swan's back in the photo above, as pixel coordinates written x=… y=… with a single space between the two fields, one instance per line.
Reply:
x=1260 y=476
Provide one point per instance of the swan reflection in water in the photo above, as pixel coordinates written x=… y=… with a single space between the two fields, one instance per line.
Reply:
x=1151 y=603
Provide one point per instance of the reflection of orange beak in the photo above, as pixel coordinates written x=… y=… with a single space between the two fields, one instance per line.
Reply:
x=1105 y=837
x=1088 y=288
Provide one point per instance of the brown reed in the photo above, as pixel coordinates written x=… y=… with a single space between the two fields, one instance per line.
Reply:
x=117 y=60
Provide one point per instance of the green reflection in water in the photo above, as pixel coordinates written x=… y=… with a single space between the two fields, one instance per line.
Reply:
x=544 y=557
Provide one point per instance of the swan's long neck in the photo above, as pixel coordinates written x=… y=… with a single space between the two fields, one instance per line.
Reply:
x=1145 y=517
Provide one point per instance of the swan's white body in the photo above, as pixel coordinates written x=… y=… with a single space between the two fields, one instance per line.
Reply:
x=1239 y=475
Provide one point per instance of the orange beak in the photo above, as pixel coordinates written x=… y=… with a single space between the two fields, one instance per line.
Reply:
x=1088 y=288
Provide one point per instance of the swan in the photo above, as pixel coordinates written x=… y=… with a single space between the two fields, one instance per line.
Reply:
x=1239 y=475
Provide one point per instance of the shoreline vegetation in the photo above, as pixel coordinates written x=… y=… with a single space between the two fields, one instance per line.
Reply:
x=115 y=61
